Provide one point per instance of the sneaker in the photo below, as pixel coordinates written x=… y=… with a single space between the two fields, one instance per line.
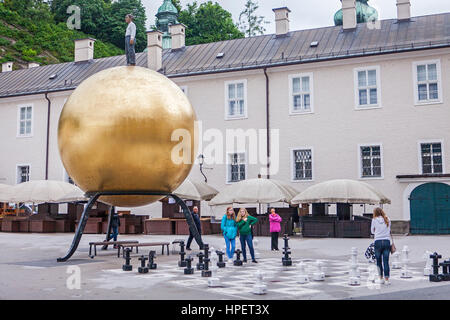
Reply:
x=379 y=281
x=254 y=261
x=387 y=282
x=245 y=260
x=188 y=249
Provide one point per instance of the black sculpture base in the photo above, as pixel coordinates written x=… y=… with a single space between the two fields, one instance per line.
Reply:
x=93 y=197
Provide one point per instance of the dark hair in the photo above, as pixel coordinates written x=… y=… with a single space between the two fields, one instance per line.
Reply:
x=129 y=15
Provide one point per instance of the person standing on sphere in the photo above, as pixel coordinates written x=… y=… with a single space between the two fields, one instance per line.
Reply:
x=198 y=224
x=130 y=41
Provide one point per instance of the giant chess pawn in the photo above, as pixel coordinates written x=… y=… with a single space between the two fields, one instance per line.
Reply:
x=354 y=279
x=429 y=263
x=319 y=275
x=255 y=248
x=302 y=276
x=406 y=273
x=396 y=263
x=214 y=280
x=260 y=287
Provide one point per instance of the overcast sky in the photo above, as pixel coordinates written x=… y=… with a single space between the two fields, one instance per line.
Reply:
x=308 y=14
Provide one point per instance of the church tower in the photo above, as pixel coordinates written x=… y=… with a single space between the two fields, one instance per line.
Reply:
x=167 y=15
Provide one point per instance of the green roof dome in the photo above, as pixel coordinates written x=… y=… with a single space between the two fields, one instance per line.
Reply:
x=167 y=7
x=364 y=13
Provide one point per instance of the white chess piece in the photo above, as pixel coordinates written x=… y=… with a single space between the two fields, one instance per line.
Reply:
x=354 y=279
x=260 y=287
x=373 y=273
x=255 y=248
x=319 y=275
x=214 y=280
x=429 y=262
x=396 y=264
x=302 y=276
x=405 y=260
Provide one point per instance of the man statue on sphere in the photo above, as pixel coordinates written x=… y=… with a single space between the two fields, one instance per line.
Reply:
x=130 y=41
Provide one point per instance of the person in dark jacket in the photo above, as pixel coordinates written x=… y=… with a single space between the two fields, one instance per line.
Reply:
x=115 y=224
x=198 y=224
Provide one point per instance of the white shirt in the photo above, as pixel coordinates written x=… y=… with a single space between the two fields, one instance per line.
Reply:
x=380 y=229
x=131 y=30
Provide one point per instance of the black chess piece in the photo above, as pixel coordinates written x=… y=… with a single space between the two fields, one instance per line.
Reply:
x=189 y=269
x=286 y=260
x=435 y=277
x=151 y=259
x=143 y=268
x=445 y=270
x=220 y=263
x=182 y=262
x=200 y=264
x=127 y=266
x=206 y=272
x=238 y=261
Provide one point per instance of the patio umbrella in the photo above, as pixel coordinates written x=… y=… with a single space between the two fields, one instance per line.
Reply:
x=255 y=191
x=41 y=191
x=193 y=190
x=5 y=193
x=73 y=196
x=341 y=191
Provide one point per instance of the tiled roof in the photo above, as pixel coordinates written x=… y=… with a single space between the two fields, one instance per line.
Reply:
x=419 y=33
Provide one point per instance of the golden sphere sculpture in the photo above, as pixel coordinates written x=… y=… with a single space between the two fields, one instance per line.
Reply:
x=115 y=134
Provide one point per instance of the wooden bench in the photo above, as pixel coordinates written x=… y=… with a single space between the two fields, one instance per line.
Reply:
x=139 y=245
x=106 y=243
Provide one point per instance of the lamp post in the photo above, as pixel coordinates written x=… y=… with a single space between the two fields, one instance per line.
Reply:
x=201 y=162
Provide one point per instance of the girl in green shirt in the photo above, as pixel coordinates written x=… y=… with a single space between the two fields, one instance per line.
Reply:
x=244 y=223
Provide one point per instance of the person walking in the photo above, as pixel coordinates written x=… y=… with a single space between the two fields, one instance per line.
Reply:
x=275 y=228
x=130 y=41
x=381 y=229
x=115 y=224
x=244 y=223
x=229 y=231
x=198 y=224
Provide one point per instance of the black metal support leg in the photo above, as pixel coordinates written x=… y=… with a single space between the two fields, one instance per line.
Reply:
x=189 y=220
x=80 y=228
x=108 y=229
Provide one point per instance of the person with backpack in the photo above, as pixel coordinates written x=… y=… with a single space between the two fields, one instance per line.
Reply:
x=381 y=229
x=229 y=231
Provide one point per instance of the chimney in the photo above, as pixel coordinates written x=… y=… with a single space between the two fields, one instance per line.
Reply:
x=154 y=46
x=282 y=21
x=7 y=66
x=403 y=10
x=84 y=49
x=178 y=33
x=349 y=14
x=33 y=65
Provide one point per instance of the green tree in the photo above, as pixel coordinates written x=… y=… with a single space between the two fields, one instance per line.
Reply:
x=177 y=4
x=207 y=23
x=250 y=22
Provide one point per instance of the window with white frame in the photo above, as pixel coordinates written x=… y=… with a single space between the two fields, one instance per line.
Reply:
x=367 y=87
x=371 y=164
x=431 y=155
x=25 y=121
x=301 y=93
x=236 y=99
x=23 y=173
x=236 y=167
x=427 y=78
x=302 y=162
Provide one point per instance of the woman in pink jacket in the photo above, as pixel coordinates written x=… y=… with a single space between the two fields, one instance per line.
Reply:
x=275 y=228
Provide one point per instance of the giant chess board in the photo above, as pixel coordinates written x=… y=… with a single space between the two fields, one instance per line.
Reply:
x=237 y=282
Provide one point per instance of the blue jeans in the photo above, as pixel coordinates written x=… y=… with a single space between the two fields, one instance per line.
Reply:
x=130 y=50
x=249 y=240
x=382 y=251
x=231 y=245
x=114 y=233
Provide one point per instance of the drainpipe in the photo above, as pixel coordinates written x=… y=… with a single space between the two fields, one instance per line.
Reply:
x=48 y=135
x=267 y=122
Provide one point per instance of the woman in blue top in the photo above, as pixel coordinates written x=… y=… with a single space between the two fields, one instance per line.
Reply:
x=229 y=231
